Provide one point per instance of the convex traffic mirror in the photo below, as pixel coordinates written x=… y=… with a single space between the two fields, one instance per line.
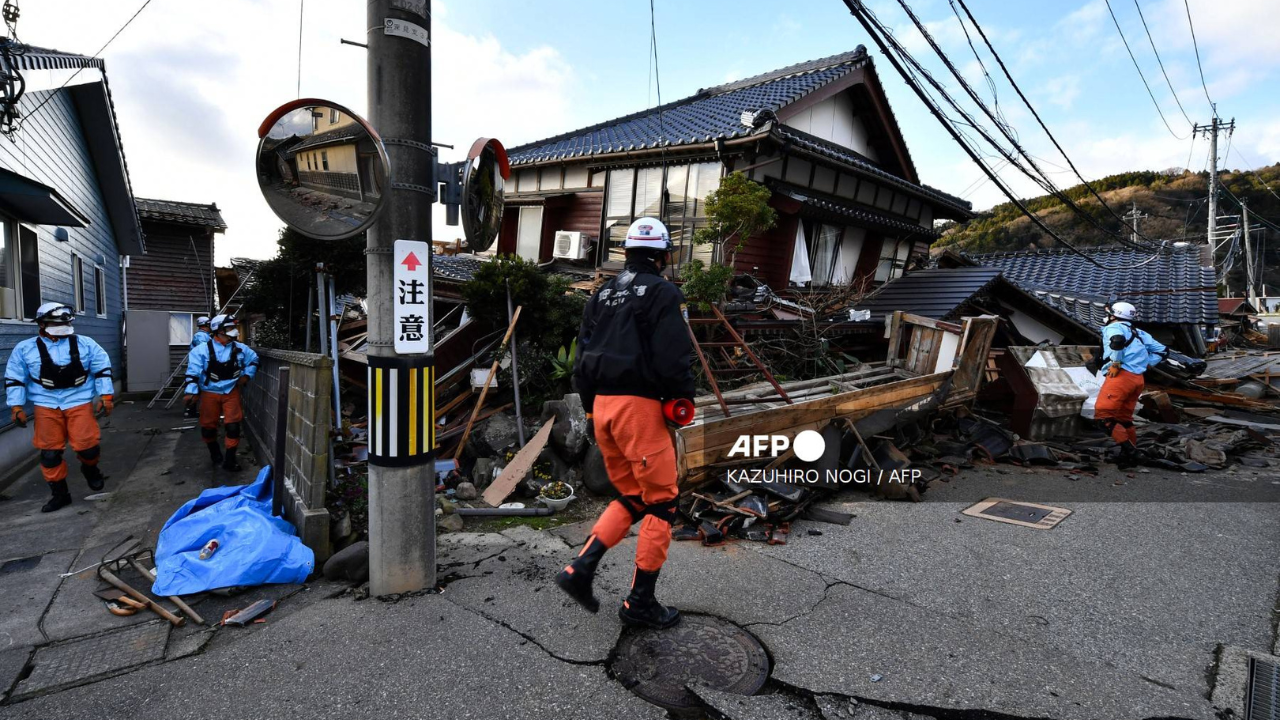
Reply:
x=483 y=196
x=322 y=168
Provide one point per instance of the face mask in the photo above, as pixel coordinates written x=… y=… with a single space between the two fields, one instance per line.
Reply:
x=233 y=333
x=60 y=330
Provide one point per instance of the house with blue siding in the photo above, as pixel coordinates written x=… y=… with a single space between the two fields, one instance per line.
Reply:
x=67 y=216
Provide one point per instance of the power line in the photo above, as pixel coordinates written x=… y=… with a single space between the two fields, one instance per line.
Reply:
x=875 y=29
x=1041 y=178
x=1144 y=77
x=95 y=55
x=1039 y=121
x=301 y=6
x=1196 y=45
x=1161 y=62
x=1246 y=161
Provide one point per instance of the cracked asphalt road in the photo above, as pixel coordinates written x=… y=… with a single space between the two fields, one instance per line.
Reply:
x=1117 y=613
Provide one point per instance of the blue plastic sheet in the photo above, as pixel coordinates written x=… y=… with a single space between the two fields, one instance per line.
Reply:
x=254 y=547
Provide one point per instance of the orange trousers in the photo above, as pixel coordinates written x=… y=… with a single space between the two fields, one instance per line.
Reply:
x=641 y=461
x=1117 y=400
x=226 y=407
x=55 y=427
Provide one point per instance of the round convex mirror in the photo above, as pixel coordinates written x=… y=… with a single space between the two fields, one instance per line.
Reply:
x=483 y=177
x=322 y=169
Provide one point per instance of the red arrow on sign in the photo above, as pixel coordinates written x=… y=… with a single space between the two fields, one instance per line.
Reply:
x=411 y=261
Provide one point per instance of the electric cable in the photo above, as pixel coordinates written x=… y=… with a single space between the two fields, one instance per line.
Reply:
x=874 y=28
x=1161 y=63
x=80 y=69
x=1196 y=45
x=1139 y=69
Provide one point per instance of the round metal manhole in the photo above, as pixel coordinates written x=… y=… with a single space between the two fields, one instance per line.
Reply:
x=658 y=664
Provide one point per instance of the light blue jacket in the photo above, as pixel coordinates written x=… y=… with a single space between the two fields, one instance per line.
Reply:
x=1136 y=356
x=198 y=367
x=201 y=337
x=22 y=374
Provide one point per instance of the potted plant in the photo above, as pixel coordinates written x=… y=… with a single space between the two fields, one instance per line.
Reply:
x=556 y=495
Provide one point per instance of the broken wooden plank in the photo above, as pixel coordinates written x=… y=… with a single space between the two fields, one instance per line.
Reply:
x=519 y=466
x=493 y=372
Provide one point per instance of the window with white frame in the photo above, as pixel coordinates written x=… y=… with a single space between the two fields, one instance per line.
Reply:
x=77 y=282
x=19 y=271
x=180 y=328
x=676 y=194
x=529 y=233
x=893 y=259
x=100 y=291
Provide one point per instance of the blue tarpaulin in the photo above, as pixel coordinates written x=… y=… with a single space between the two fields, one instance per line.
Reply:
x=254 y=548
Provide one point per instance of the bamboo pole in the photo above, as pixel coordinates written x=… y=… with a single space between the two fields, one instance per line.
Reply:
x=493 y=370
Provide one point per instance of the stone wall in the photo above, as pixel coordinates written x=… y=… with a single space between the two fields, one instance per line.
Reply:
x=307 y=465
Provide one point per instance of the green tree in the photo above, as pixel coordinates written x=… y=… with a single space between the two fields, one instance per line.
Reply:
x=737 y=210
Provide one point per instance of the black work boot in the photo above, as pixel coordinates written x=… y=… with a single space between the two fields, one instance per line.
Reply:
x=641 y=609
x=578 y=575
x=229 y=462
x=61 y=497
x=94 y=476
x=1129 y=456
x=215 y=452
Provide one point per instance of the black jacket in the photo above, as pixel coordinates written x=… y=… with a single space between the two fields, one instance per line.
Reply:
x=635 y=339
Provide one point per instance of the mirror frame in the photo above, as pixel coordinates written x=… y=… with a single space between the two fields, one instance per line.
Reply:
x=292 y=105
x=504 y=169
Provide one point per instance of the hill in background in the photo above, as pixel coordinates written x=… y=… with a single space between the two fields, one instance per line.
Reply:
x=1176 y=204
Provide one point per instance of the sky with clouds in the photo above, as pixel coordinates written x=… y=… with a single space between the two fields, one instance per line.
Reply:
x=192 y=81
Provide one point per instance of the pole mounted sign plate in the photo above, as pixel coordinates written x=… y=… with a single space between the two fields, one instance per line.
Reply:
x=406 y=29
x=411 y=297
x=417 y=7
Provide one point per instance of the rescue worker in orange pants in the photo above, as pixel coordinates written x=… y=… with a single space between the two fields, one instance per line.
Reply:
x=199 y=337
x=60 y=373
x=1127 y=352
x=634 y=352
x=217 y=370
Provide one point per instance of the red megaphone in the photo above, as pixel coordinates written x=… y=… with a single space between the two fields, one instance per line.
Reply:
x=679 y=411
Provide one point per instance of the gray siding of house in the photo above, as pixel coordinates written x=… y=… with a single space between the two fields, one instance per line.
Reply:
x=51 y=149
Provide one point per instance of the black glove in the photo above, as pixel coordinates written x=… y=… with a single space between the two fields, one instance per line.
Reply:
x=1093 y=365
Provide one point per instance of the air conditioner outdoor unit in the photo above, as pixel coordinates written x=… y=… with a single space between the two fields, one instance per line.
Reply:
x=570 y=245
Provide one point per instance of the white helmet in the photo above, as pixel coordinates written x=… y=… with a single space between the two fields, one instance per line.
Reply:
x=221 y=321
x=1124 y=310
x=55 y=313
x=202 y=321
x=648 y=233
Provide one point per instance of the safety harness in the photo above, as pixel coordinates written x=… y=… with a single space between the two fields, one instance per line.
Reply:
x=61 y=377
x=229 y=370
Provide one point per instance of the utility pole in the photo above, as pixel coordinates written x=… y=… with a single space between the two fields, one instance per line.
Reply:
x=1250 y=290
x=1136 y=216
x=1212 y=130
x=401 y=490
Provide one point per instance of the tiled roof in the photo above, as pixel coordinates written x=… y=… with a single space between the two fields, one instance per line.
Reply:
x=935 y=293
x=180 y=212
x=709 y=114
x=847 y=209
x=963 y=208
x=329 y=137
x=38 y=58
x=1227 y=306
x=456 y=268
x=1174 y=288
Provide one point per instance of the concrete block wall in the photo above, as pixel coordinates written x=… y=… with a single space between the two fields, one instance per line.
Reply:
x=307 y=461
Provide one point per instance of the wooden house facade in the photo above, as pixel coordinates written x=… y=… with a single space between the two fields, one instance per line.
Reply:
x=820 y=135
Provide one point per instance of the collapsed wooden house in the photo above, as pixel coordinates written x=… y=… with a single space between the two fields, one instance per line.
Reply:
x=924 y=355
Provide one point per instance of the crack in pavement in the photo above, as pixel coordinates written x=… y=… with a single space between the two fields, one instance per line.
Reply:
x=528 y=637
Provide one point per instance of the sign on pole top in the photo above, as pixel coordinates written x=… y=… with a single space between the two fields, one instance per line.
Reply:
x=412 y=297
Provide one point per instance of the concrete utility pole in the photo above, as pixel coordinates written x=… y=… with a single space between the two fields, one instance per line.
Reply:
x=1212 y=130
x=1136 y=216
x=401 y=494
x=1250 y=289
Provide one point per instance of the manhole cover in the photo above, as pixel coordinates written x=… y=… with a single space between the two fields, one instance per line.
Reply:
x=658 y=664
x=74 y=662
x=1032 y=515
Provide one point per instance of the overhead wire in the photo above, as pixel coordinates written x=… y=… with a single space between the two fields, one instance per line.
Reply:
x=1040 y=121
x=1140 y=73
x=1040 y=177
x=883 y=37
x=1161 y=63
x=51 y=95
x=1196 y=46
x=1246 y=161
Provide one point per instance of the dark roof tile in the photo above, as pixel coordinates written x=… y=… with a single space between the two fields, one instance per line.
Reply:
x=180 y=212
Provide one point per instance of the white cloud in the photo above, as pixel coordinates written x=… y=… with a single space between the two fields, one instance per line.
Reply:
x=1063 y=91
x=191 y=84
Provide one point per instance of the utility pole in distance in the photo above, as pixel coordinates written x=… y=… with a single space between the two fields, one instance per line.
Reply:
x=401 y=481
x=1212 y=130
x=1135 y=216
